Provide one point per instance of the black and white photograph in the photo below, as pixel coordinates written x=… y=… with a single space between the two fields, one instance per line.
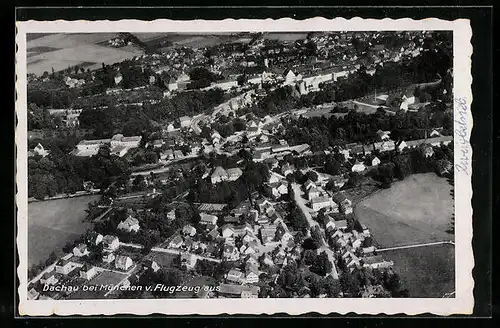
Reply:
x=225 y=165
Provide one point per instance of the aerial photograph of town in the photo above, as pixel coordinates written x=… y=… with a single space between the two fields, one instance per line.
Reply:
x=240 y=165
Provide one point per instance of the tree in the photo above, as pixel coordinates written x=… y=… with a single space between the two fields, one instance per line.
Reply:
x=322 y=265
x=290 y=279
x=311 y=175
x=349 y=284
x=139 y=183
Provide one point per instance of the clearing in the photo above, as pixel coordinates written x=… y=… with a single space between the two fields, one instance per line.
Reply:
x=52 y=223
x=61 y=50
x=415 y=210
x=425 y=271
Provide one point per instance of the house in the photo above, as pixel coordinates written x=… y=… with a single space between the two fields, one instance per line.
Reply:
x=289 y=76
x=118 y=78
x=427 y=150
x=406 y=101
x=157 y=143
x=230 y=253
x=227 y=230
x=123 y=262
x=383 y=135
x=344 y=203
x=376 y=262
x=225 y=84
x=264 y=206
x=94 y=238
x=33 y=294
x=283 y=235
x=358 y=167
x=178 y=154
x=402 y=145
x=266 y=259
x=208 y=219
x=108 y=257
x=188 y=260
x=313 y=192
x=368 y=250
x=185 y=121
x=214 y=234
x=252 y=260
x=252 y=274
x=110 y=243
x=320 y=202
x=328 y=222
x=218 y=175
x=119 y=151
x=267 y=233
x=341 y=225
x=80 y=250
x=384 y=146
x=129 y=142
x=129 y=225
x=151 y=265
x=309 y=184
x=40 y=151
x=357 y=243
x=287 y=169
x=176 y=242
x=171 y=215
x=243 y=229
x=249 y=248
x=88 y=272
x=216 y=137
x=189 y=230
x=276 y=189
x=49 y=278
x=234 y=173
x=235 y=275
x=435 y=133
x=375 y=161
x=64 y=266
x=248 y=237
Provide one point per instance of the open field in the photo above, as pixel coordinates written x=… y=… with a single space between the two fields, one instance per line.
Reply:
x=61 y=50
x=415 y=210
x=51 y=224
x=425 y=271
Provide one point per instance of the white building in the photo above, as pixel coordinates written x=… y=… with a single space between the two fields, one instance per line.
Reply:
x=185 y=121
x=129 y=142
x=321 y=202
x=358 y=167
x=80 y=250
x=110 y=243
x=129 y=225
x=123 y=262
x=219 y=175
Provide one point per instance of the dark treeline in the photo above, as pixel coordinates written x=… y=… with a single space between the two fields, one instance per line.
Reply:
x=60 y=172
x=234 y=192
x=322 y=133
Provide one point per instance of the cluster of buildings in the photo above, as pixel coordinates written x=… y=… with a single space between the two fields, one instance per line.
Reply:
x=119 y=145
x=76 y=268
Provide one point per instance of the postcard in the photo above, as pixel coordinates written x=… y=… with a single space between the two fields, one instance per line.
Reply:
x=244 y=167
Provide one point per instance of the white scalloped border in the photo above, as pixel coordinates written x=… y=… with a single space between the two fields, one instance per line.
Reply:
x=461 y=304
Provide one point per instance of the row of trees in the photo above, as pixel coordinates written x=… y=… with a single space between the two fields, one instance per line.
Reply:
x=322 y=133
x=401 y=165
x=60 y=172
